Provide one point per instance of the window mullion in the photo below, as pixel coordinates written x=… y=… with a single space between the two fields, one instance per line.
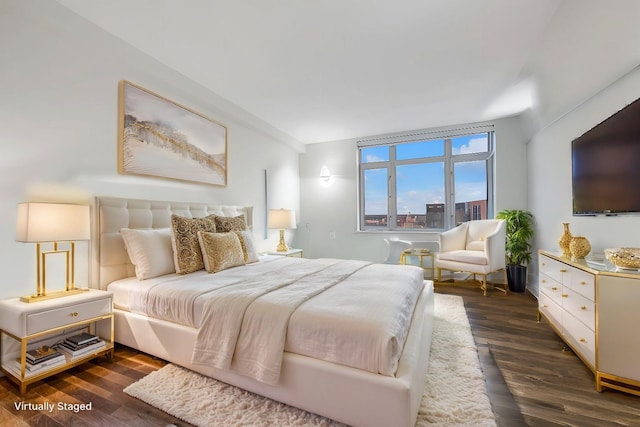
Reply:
x=392 y=205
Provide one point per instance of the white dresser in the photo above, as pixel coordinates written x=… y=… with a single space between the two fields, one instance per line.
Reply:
x=594 y=308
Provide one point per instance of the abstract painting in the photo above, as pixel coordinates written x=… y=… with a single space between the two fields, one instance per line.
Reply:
x=160 y=138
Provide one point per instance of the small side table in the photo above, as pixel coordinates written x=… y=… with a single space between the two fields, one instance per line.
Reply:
x=290 y=252
x=25 y=326
x=421 y=254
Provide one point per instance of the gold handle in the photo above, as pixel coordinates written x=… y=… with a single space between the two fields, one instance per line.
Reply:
x=583 y=308
x=563 y=271
x=554 y=289
x=74 y=314
x=544 y=281
x=545 y=305
x=565 y=295
x=543 y=264
x=583 y=340
x=583 y=283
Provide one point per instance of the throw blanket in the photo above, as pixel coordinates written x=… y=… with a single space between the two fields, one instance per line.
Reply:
x=247 y=323
x=346 y=312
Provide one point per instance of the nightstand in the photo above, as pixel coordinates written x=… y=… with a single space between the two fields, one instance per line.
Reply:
x=27 y=326
x=290 y=252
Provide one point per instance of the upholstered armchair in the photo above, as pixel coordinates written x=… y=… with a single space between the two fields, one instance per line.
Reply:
x=476 y=247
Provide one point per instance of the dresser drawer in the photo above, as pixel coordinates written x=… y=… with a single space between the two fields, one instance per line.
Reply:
x=581 y=338
x=551 y=310
x=54 y=318
x=551 y=288
x=580 y=307
x=582 y=282
x=552 y=268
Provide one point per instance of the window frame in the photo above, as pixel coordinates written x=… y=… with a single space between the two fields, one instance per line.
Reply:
x=449 y=161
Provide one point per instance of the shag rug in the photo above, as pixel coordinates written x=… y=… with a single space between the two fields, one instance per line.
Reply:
x=455 y=393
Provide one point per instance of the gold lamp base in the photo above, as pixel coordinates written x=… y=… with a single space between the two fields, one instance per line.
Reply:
x=52 y=295
x=282 y=246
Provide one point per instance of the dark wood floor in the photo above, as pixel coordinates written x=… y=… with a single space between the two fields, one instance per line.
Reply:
x=531 y=380
x=546 y=384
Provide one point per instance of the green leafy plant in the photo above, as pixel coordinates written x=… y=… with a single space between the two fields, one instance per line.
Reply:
x=519 y=224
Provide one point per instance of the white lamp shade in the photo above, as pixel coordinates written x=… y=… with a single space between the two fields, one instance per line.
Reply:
x=282 y=218
x=52 y=222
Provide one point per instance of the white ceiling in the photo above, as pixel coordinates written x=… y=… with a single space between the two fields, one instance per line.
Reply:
x=337 y=69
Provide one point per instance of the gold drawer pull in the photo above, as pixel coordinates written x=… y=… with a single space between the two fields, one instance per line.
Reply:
x=563 y=271
x=554 y=288
x=565 y=295
x=545 y=305
x=583 y=308
x=543 y=281
x=583 y=283
x=583 y=340
x=543 y=264
x=74 y=314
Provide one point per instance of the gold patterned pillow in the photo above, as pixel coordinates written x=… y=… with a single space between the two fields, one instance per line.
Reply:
x=187 y=255
x=220 y=250
x=224 y=224
x=248 y=246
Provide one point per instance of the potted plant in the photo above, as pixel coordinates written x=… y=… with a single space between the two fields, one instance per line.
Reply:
x=519 y=224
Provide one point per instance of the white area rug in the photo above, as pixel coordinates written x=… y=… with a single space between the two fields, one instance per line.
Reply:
x=455 y=394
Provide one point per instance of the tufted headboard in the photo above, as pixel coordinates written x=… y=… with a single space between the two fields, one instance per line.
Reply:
x=110 y=260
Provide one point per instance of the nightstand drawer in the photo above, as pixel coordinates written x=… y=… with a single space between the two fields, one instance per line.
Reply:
x=50 y=319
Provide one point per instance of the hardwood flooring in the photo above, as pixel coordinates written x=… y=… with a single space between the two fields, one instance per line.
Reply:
x=530 y=379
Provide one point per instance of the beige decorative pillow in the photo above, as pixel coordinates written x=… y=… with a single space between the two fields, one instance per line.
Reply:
x=187 y=255
x=150 y=251
x=220 y=250
x=225 y=224
x=248 y=246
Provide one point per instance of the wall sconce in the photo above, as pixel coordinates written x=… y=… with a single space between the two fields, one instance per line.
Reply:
x=52 y=223
x=325 y=174
x=281 y=219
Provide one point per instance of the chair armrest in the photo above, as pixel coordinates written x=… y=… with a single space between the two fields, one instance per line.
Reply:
x=454 y=239
x=494 y=247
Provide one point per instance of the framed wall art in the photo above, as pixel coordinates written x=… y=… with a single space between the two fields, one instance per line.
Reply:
x=157 y=137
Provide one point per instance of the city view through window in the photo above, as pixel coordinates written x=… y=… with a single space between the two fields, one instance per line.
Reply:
x=404 y=185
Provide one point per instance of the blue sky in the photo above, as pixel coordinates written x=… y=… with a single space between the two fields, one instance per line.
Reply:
x=419 y=184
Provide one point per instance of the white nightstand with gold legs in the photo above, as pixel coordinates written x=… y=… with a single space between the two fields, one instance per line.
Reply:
x=28 y=326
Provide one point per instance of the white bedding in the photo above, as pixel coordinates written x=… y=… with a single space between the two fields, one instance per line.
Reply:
x=349 y=312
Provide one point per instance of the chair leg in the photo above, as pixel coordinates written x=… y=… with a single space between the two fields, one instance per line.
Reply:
x=485 y=286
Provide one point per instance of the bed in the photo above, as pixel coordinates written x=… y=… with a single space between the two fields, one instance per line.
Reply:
x=382 y=386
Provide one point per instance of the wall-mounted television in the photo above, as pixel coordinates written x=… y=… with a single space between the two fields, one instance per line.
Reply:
x=606 y=166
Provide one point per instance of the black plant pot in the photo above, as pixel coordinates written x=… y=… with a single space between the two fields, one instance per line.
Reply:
x=517 y=277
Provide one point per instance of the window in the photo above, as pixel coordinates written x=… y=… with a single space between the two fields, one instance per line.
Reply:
x=430 y=183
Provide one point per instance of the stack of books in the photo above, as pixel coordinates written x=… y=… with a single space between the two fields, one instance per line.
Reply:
x=81 y=345
x=43 y=357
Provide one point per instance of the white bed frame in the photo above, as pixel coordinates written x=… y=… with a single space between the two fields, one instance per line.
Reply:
x=344 y=394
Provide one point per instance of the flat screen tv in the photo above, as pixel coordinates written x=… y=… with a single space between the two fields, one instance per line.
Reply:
x=606 y=166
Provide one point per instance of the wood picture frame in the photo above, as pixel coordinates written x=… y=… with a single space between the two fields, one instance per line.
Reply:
x=160 y=138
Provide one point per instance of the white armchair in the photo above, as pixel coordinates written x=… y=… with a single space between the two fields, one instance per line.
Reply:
x=476 y=247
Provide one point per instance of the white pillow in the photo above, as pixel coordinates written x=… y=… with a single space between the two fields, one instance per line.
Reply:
x=248 y=246
x=150 y=251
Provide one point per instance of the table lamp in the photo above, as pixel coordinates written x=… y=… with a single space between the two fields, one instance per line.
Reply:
x=282 y=219
x=53 y=223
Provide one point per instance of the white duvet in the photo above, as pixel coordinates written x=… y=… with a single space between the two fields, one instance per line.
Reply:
x=343 y=311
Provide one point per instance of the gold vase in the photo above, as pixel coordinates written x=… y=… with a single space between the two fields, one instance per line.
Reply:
x=580 y=247
x=565 y=240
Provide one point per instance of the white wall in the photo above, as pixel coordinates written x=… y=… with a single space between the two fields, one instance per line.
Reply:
x=58 y=130
x=550 y=174
x=332 y=208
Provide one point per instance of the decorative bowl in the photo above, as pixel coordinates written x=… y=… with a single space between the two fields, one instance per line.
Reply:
x=624 y=257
